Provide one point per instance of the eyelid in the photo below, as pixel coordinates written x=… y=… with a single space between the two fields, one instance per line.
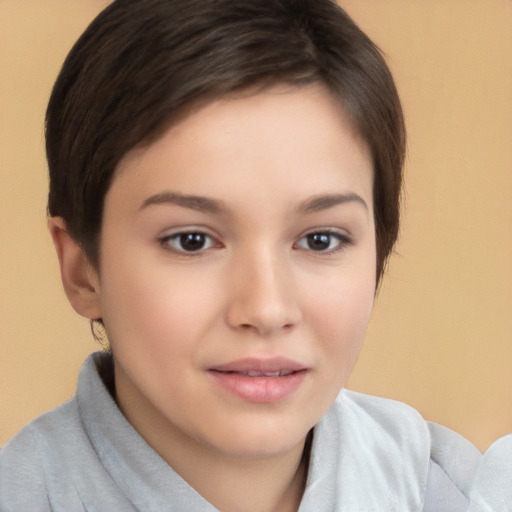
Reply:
x=342 y=236
x=164 y=240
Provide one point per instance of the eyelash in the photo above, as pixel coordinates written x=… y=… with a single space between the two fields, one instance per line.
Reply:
x=167 y=241
x=342 y=241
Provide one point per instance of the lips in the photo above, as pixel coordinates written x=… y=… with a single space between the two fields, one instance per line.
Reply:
x=277 y=373
x=273 y=365
x=260 y=380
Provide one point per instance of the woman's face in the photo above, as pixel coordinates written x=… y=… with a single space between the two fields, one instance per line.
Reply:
x=237 y=272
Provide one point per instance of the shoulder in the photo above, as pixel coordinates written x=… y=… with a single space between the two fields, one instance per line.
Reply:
x=21 y=469
x=492 y=488
x=36 y=465
x=454 y=462
x=23 y=479
x=451 y=451
x=369 y=453
x=392 y=419
x=443 y=462
x=457 y=457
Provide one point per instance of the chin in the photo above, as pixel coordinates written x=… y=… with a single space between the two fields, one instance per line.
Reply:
x=262 y=439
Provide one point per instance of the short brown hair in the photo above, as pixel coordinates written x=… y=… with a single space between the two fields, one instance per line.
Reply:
x=141 y=63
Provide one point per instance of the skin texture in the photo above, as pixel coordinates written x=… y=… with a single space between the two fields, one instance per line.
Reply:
x=255 y=285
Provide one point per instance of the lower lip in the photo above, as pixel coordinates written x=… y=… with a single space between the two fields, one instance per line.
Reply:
x=261 y=390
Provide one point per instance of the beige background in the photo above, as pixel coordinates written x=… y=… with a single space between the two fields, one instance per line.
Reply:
x=441 y=336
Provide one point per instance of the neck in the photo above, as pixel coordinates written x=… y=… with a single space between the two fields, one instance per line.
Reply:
x=231 y=483
x=238 y=484
x=272 y=485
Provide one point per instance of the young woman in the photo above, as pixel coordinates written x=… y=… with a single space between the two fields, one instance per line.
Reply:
x=224 y=192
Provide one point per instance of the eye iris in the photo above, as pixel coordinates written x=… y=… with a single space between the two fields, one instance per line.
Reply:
x=192 y=241
x=319 y=241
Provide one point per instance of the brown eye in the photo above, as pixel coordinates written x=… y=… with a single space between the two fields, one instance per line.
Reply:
x=318 y=241
x=324 y=242
x=190 y=242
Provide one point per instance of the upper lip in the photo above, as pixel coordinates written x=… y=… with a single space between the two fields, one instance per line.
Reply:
x=257 y=365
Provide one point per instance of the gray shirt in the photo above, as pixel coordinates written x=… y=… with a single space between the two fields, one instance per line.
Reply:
x=368 y=454
x=492 y=486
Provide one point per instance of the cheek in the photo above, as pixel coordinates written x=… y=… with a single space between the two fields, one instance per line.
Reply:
x=337 y=321
x=341 y=316
x=151 y=307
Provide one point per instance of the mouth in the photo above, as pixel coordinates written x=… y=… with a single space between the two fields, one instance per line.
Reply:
x=254 y=367
x=260 y=380
x=257 y=373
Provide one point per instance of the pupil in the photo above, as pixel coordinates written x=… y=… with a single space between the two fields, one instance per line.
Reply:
x=319 y=241
x=192 y=241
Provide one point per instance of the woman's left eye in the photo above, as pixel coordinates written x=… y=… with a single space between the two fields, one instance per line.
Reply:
x=189 y=242
x=323 y=242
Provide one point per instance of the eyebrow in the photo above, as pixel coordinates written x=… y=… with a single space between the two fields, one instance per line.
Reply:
x=209 y=205
x=199 y=203
x=323 y=202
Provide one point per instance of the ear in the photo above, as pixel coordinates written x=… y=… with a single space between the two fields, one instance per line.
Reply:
x=79 y=279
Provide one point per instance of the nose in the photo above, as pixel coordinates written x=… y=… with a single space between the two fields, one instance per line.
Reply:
x=263 y=298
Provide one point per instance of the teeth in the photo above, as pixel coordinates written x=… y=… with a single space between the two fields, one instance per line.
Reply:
x=277 y=373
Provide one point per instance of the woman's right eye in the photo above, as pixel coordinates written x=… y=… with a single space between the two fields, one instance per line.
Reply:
x=188 y=242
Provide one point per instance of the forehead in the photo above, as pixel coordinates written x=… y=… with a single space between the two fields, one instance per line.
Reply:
x=281 y=132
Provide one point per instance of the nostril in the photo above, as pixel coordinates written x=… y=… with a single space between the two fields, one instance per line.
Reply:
x=264 y=329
